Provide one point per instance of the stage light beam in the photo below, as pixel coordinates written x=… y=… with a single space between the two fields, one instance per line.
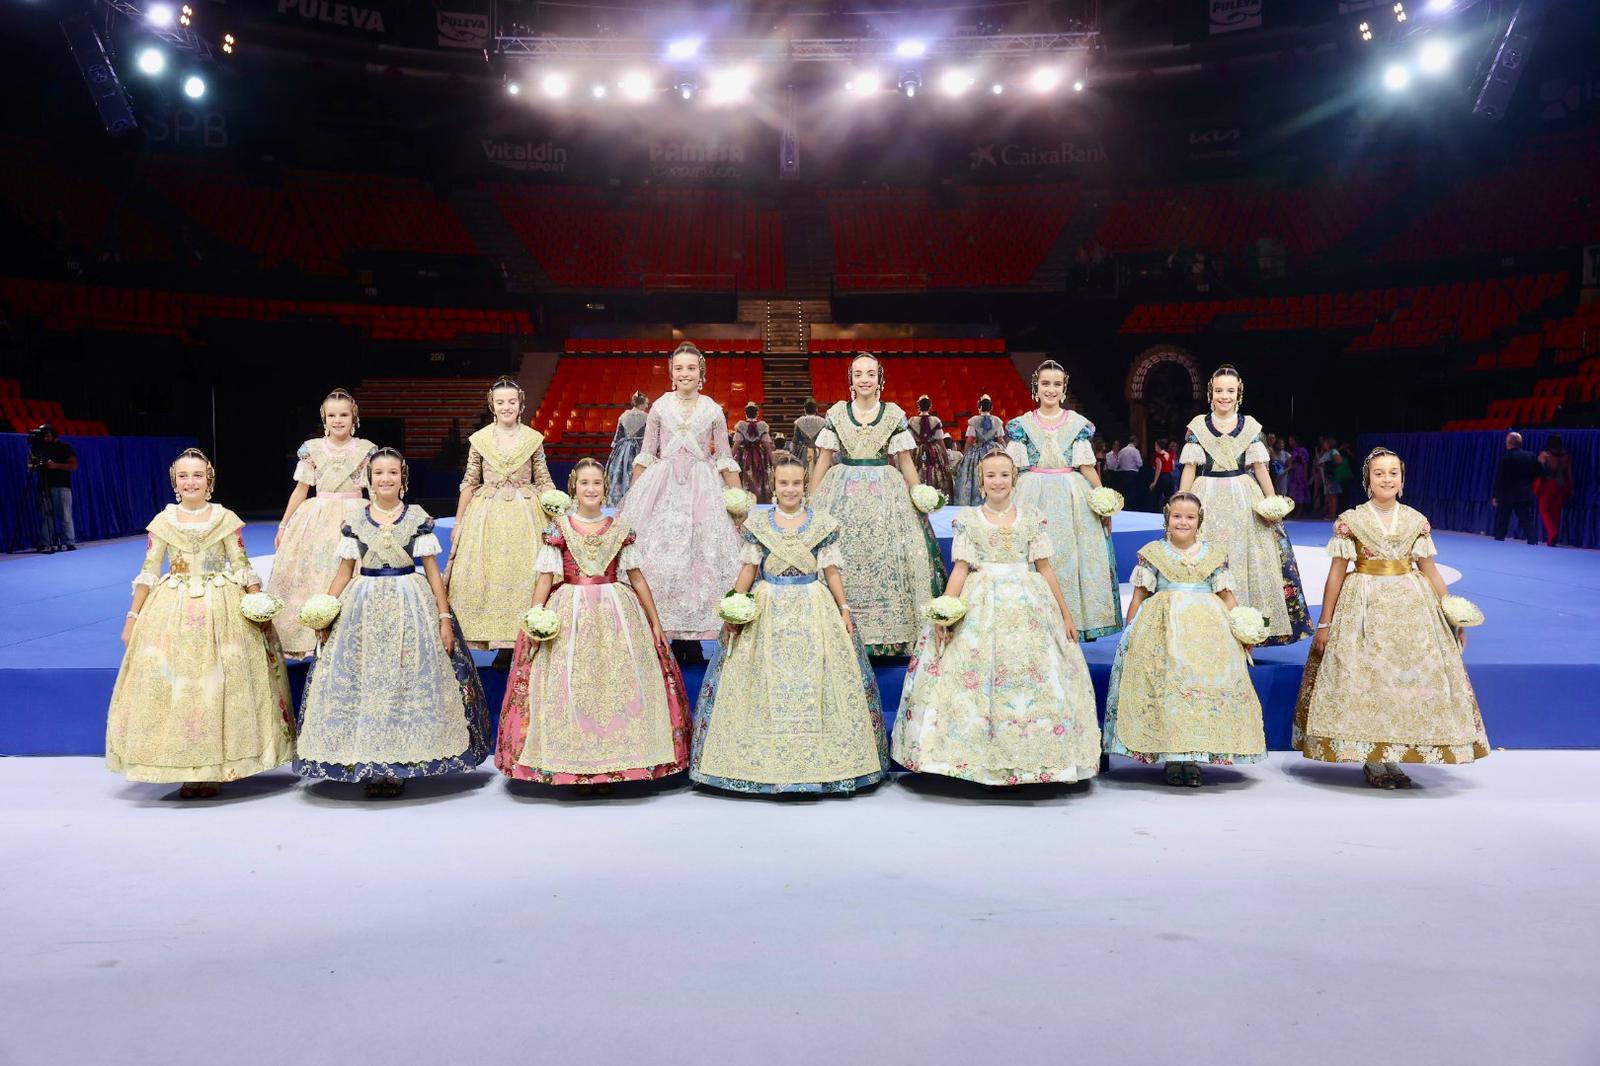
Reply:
x=513 y=89
x=864 y=84
x=1434 y=57
x=555 y=85
x=955 y=82
x=1077 y=86
x=194 y=86
x=161 y=15
x=1045 y=79
x=683 y=48
x=151 y=61
x=731 y=85
x=1396 y=77
x=911 y=49
x=635 y=85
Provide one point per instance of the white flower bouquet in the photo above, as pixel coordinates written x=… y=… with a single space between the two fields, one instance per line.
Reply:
x=1461 y=612
x=260 y=606
x=945 y=610
x=737 y=608
x=1249 y=625
x=926 y=498
x=1274 y=508
x=555 y=502
x=541 y=623
x=738 y=502
x=319 y=611
x=1105 y=502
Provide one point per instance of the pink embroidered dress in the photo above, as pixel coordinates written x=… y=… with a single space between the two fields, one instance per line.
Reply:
x=688 y=546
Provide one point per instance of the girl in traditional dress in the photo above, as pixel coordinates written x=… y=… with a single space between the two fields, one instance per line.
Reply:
x=307 y=543
x=202 y=696
x=1180 y=685
x=625 y=448
x=1299 y=482
x=806 y=428
x=394 y=694
x=933 y=467
x=752 y=450
x=1384 y=683
x=499 y=521
x=791 y=704
x=1053 y=448
x=602 y=701
x=984 y=430
x=1003 y=697
x=1225 y=464
x=891 y=561
x=687 y=542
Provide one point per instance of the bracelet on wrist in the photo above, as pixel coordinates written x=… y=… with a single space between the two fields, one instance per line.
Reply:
x=445 y=616
x=133 y=614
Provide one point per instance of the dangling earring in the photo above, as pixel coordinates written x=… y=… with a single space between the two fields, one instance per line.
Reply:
x=208 y=492
x=177 y=497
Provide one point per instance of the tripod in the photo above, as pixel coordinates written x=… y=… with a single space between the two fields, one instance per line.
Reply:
x=51 y=540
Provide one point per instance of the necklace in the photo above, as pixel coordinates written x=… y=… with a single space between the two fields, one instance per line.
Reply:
x=581 y=517
x=194 y=510
x=798 y=511
x=388 y=512
x=998 y=514
x=1051 y=421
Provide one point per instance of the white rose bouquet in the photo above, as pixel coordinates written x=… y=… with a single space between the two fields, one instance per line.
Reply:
x=926 y=498
x=945 y=610
x=1274 y=508
x=555 y=502
x=1105 y=502
x=260 y=606
x=1249 y=625
x=541 y=623
x=1461 y=612
x=737 y=608
x=319 y=611
x=738 y=502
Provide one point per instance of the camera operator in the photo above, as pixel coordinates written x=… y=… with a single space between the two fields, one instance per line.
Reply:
x=54 y=461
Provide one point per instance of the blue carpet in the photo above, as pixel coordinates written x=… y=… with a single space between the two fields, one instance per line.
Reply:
x=1535 y=663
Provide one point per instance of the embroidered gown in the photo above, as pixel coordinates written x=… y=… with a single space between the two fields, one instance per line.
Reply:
x=1085 y=562
x=933 y=466
x=624 y=450
x=1180 y=684
x=688 y=545
x=1391 y=685
x=791 y=704
x=601 y=701
x=806 y=429
x=308 y=551
x=1265 y=575
x=491 y=576
x=202 y=693
x=892 y=566
x=984 y=432
x=752 y=450
x=385 y=699
x=1009 y=700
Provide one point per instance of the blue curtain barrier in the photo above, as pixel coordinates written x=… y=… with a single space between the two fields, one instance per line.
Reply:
x=1449 y=477
x=120 y=483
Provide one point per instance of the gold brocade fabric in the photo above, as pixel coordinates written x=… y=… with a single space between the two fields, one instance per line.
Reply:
x=491 y=574
x=593 y=552
x=1391 y=685
x=1226 y=449
x=202 y=694
x=306 y=557
x=788 y=702
x=1180 y=686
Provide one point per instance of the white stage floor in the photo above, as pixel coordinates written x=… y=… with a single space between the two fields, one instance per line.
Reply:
x=1286 y=914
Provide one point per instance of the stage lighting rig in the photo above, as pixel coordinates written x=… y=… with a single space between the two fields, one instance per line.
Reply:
x=186 y=15
x=228 y=43
x=555 y=85
x=1045 y=79
x=1399 y=10
x=194 y=86
x=151 y=61
x=910 y=82
x=160 y=15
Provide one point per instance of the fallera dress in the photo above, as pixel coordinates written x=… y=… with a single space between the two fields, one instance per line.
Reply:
x=1180 y=684
x=892 y=566
x=1009 y=700
x=984 y=433
x=1085 y=563
x=308 y=552
x=625 y=447
x=602 y=701
x=752 y=450
x=1391 y=685
x=202 y=693
x=384 y=699
x=791 y=703
x=933 y=465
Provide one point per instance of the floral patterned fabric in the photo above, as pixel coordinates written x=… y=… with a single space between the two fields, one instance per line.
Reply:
x=752 y=450
x=1391 y=685
x=983 y=433
x=689 y=544
x=385 y=699
x=202 y=693
x=1085 y=562
x=1008 y=701
x=307 y=554
x=490 y=577
x=602 y=701
x=933 y=467
x=625 y=445
x=892 y=566
x=791 y=703
x=1180 y=684
x=1260 y=557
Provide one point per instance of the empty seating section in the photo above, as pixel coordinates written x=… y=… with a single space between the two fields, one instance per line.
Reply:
x=19 y=414
x=312 y=218
x=69 y=308
x=654 y=238
x=612 y=345
x=1227 y=218
x=903 y=238
x=63 y=207
x=1548 y=397
x=953 y=383
x=1543 y=200
x=429 y=406
x=895 y=345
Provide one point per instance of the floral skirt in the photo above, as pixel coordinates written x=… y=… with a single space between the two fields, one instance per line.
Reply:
x=491 y=575
x=688 y=545
x=306 y=560
x=619 y=469
x=1260 y=558
x=1084 y=562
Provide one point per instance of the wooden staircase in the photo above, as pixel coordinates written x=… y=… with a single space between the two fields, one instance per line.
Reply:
x=428 y=407
x=786 y=364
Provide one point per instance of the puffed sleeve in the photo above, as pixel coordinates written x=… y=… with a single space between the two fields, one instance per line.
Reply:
x=828 y=553
x=305 y=471
x=1256 y=453
x=750 y=555
x=720 y=447
x=155 y=550
x=827 y=438
x=474 y=475
x=349 y=546
x=630 y=558
x=548 y=560
x=1040 y=545
x=961 y=548
x=1222 y=579
x=1342 y=545
x=1423 y=547
x=1192 y=454
x=1017 y=445
x=650 y=450
x=427 y=542
x=1082 y=453
x=239 y=559
x=1143 y=576
x=542 y=481
x=972 y=428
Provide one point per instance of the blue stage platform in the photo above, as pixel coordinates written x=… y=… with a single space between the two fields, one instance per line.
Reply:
x=1535 y=663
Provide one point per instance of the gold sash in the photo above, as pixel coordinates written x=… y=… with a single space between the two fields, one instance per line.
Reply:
x=1383 y=567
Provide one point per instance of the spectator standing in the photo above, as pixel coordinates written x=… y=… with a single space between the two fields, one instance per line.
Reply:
x=1513 y=490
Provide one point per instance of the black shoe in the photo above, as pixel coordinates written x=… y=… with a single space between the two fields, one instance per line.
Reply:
x=47 y=551
x=688 y=652
x=70 y=548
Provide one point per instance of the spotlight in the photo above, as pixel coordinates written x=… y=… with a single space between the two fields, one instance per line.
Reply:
x=598 y=92
x=1399 y=10
x=1365 y=29
x=228 y=42
x=1077 y=86
x=731 y=85
x=151 y=61
x=185 y=15
x=1438 y=6
x=911 y=49
x=635 y=85
x=864 y=84
x=160 y=15
x=997 y=88
x=194 y=86
x=955 y=82
x=1396 y=76
x=910 y=82
x=1433 y=57
x=554 y=85
x=685 y=89
x=683 y=48
x=513 y=89
x=1045 y=79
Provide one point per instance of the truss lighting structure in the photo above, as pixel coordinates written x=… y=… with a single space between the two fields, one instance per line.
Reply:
x=175 y=34
x=1020 y=46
